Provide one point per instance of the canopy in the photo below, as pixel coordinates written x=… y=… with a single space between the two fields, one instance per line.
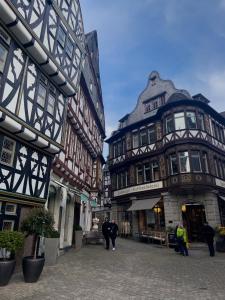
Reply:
x=143 y=204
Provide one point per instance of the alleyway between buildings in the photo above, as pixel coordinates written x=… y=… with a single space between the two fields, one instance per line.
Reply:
x=134 y=271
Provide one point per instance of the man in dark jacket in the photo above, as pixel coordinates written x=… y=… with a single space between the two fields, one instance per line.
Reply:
x=113 y=233
x=208 y=234
x=106 y=228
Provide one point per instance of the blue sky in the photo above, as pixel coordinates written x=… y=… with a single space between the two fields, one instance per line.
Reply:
x=184 y=40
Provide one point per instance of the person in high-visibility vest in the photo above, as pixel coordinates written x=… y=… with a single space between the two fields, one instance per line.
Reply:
x=182 y=240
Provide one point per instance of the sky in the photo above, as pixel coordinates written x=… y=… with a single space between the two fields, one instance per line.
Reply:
x=184 y=40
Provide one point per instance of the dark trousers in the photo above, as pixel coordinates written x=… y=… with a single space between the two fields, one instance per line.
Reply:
x=113 y=239
x=210 y=244
x=182 y=246
x=106 y=241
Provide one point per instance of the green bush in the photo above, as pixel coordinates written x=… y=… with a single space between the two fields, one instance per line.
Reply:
x=11 y=241
x=78 y=228
x=52 y=234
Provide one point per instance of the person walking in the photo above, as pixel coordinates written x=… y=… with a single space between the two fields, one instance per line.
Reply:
x=106 y=227
x=208 y=234
x=113 y=233
x=182 y=240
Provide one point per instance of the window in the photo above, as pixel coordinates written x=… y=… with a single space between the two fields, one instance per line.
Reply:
x=8 y=149
x=69 y=48
x=143 y=137
x=191 y=120
x=201 y=124
x=179 y=121
x=61 y=36
x=151 y=135
x=205 y=163
x=220 y=168
x=196 y=161
x=51 y=104
x=115 y=150
x=10 y=209
x=139 y=174
x=135 y=140
x=169 y=124
x=184 y=162
x=147 y=174
x=41 y=95
x=173 y=164
x=3 y=55
x=155 y=104
x=119 y=151
x=155 y=171
x=8 y=225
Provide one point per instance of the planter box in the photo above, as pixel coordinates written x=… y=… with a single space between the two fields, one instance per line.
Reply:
x=78 y=239
x=51 y=251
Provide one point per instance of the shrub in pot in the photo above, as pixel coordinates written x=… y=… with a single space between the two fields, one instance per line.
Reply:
x=51 y=246
x=37 y=223
x=10 y=242
x=78 y=236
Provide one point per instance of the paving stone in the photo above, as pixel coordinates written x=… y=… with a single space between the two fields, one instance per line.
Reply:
x=134 y=271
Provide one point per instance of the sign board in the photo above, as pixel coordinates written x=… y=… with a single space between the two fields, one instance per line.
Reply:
x=139 y=188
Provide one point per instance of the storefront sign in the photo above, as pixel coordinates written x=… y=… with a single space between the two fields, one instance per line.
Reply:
x=139 y=188
x=220 y=183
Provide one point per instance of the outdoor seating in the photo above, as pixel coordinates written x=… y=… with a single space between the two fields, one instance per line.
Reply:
x=152 y=236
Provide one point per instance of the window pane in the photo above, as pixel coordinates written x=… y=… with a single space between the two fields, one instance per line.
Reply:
x=119 y=148
x=191 y=120
x=184 y=162
x=143 y=137
x=173 y=164
x=169 y=124
x=61 y=36
x=205 y=163
x=8 y=225
x=201 y=124
x=10 y=209
x=135 y=140
x=139 y=175
x=147 y=176
x=3 y=55
x=195 y=161
x=69 y=48
x=151 y=135
x=41 y=95
x=51 y=104
x=179 y=121
x=155 y=171
x=7 y=153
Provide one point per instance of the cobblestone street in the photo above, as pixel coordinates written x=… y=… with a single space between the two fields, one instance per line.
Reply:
x=134 y=271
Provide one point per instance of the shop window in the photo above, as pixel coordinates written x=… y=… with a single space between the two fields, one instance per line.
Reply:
x=201 y=124
x=151 y=135
x=205 y=163
x=155 y=171
x=139 y=174
x=179 y=121
x=196 y=161
x=61 y=38
x=184 y=162
x=191 y=120
x=147 y=173
x=169 y=124
x=3 y=56
x=10 y=209
x=8 y=225
x=143 y=137
x=173 y=164
x=135 y=140
x=8 y=150
x=41 y=95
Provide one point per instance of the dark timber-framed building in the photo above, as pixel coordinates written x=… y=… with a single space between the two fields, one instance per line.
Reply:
x=167 y=161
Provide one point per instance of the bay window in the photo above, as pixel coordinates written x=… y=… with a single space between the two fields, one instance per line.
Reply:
x=151 y=135
x=205 y=163
x=135 y=140
x=184 y=162
x=179 y=121
x=201 y=124
x=173 y=164
x=139 y=174
x=191 y=120
x=195 y=161
x=155 y=171
x=147 y=176
x=143 y=137
x=169 y=124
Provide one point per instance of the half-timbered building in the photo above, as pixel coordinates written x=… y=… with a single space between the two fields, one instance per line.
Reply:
x=76 y=181
x=41 y=52
x=167 y=161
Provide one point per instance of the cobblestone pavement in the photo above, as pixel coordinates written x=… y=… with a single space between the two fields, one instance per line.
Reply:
x=134 y=271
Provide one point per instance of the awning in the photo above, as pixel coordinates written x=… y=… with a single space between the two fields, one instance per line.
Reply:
x=144 y=204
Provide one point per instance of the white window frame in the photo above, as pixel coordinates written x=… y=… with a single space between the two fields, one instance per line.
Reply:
x=11 y=213
x=11 y=221
x=12 y=152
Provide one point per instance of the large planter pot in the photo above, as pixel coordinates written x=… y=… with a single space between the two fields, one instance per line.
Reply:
x=6 y=270
x=32 y=268
x=51 y=251
x=220 y=244
x=78 y=239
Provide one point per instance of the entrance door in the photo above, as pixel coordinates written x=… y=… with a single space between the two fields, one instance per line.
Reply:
x=194 y=218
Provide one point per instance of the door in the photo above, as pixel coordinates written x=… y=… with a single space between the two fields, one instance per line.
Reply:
x=193 y=219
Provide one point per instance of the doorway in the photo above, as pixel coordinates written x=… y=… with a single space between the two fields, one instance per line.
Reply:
x=193 y=218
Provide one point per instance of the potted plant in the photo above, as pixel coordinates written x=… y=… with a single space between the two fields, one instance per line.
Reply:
x=10 y=242
x=220 y=239
x=37 y=223
x=51 y=246
x=78 y=236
